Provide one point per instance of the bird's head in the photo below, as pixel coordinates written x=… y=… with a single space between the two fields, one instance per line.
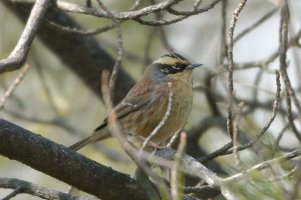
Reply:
x=172 y=66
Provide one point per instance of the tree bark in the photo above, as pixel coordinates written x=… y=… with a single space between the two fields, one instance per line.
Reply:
x=66 y=165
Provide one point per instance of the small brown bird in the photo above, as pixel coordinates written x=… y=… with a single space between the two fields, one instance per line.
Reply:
x=145 y=105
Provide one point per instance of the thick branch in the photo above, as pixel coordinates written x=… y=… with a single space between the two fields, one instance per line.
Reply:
x=61 y=163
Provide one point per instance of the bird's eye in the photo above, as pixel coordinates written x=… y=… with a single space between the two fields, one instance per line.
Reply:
x=176 y=67
x=164 y=70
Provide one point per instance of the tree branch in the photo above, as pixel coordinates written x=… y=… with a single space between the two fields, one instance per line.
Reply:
x=18 y=55
x=21 y=186
x=81 y=54
x=61 y=163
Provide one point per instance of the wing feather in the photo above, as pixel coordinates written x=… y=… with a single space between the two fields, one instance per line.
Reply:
x=142 y=94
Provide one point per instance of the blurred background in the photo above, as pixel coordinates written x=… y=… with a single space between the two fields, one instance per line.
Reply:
x=54 y=102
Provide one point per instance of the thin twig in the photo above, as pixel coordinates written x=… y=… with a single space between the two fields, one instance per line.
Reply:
x=223 y=41
x=272 y=118
x=16 y=191
x=290 y=92
x=230 y=45
x=173 y=138
x=296 y=189
x=45 y=86
x=182 y=15
x=235 y=134
x=226 y=149
x=290 y=116
x=197 y=3
x=161 y=31
x=135 y=5
x=147 y=48
x=74 y=8
x=120 y=47
x=265 y=164
x=194 y=10
x=280 y=135
x=162 y=122
x=12 y=87
x=293 y=42
x=80 y=31
x=284 y=26
x=18 y=56
x=176 y=176
x=255 y=25
x=29 y=188
x=284 y=176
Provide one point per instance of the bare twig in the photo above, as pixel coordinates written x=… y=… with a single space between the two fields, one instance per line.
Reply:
x=195 y=10
x=162 y=122
x=21 y=186
x=235 y=134
x=74 y=8
x=14 y=193
x=45 y=86
x=270 y=121
x=293 y=42
x=223 y=41
x=265 y=164
x=120 y=48
x=290 y=116
x=196 y=169
x=296 y=190
x=178 y=18
x=230 y=45
x=18 y=56
x=80 y=31
x=136 y=14
x=255 y=25
x=136 y=5
x=173 y=138
x=176 y=176
x=226 y=149
x=161 y=31
x=82 y=55
x=12 y=87
x=290 y=92
x=147 y=48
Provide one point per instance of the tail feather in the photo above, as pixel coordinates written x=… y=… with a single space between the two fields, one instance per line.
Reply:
x=80 y=144
x=99 y=134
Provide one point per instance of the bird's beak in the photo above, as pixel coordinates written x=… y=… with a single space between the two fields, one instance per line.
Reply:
x=192 y=66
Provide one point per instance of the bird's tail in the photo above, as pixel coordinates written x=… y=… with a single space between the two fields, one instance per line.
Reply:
x=100 y=133
x=80 y=144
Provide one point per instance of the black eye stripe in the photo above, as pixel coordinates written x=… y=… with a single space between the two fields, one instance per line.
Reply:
x=172 y=69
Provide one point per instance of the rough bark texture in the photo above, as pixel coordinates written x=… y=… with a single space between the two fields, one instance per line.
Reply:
x=64 y=164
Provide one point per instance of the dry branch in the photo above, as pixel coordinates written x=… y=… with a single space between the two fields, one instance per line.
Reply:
x=82 y=55
x=19 y=54
x=64 y=164
x=230 y=45
x=21 y=186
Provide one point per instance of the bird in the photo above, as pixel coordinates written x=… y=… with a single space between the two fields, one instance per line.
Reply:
x=145 y=105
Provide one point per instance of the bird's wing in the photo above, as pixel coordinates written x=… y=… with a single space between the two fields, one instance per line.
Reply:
x=142 y=94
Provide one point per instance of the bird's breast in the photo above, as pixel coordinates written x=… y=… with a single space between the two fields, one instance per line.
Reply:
x=143 y=123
